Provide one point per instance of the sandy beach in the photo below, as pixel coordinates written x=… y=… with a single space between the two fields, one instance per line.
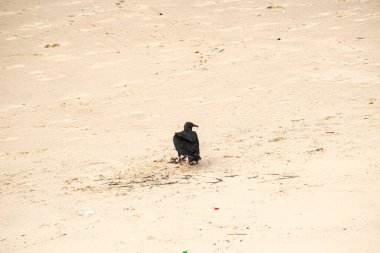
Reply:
x=286 y=95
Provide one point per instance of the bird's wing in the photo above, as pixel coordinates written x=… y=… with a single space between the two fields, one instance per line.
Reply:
x=197 y=141
x=187 y=136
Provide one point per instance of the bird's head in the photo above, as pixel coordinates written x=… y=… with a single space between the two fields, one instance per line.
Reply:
x=189 y=126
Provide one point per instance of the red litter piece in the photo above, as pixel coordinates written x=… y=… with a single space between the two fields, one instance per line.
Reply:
x=216 y=208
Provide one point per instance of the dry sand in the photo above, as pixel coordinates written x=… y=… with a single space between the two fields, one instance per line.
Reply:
x=286 y=95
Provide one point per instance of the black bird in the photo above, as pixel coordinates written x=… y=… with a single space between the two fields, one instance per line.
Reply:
x=187 y=144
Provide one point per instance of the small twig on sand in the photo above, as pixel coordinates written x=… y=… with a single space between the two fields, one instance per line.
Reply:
x=236 y=234
x=286 y=177
x=187 y=177
x=140 y=182
x=175 y=182
x=128 y=186
x=232 y=176
x=218 y=181
x=119 y=184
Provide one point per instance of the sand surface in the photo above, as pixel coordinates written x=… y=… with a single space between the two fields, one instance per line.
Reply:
x=286 y=95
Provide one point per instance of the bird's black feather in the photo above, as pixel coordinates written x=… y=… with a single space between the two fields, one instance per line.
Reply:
x=187 y=144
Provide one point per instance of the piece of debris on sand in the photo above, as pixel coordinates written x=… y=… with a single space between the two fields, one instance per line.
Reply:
x=277 y=139
x=274 y=6
x=315 y=151
x=52 y=45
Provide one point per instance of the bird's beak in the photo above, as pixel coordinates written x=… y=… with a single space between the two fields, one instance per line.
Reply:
x=195 y=126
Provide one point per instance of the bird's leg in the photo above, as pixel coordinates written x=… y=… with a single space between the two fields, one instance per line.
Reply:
x=180 y=159
x=193 y=160
x=183 y=159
